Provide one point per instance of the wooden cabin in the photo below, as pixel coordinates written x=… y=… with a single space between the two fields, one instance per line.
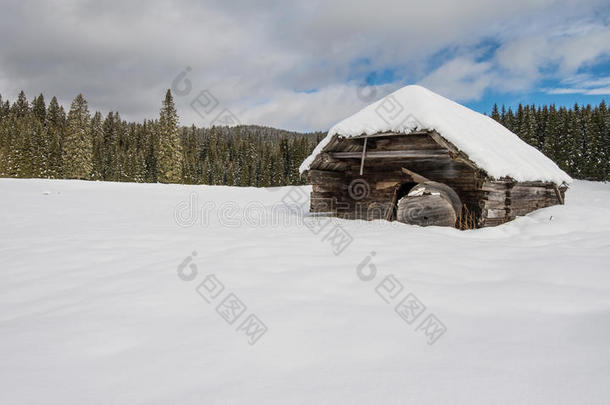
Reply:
x=420 y=158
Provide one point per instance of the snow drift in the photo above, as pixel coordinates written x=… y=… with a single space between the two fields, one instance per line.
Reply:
x=92 y=310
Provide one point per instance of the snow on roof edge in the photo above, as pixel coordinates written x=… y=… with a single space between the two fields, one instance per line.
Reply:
x=487 y=143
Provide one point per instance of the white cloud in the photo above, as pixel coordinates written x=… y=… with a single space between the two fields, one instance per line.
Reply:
x=579 y=50
x=295 y=110
x=258 y=58
x=583 y=84
x=600 y=91
x=460 y=79
x=524 y=56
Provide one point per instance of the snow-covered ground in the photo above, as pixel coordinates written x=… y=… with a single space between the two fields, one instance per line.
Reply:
x=93 y=311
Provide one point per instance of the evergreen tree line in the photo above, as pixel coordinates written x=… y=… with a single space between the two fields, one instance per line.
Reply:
x=43 y=141
x=40 y=141
x=577 y=138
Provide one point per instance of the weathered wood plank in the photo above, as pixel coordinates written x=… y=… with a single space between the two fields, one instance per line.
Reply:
x=380 y=185
x=326 y=177
x=416 y=177
x=432 y=153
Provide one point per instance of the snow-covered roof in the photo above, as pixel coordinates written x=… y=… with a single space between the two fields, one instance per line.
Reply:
x=487 y=143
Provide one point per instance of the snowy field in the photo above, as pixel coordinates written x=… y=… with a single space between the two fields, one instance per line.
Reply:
x=103 y=302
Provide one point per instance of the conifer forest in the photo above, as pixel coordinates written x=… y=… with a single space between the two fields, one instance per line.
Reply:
x=40 y=140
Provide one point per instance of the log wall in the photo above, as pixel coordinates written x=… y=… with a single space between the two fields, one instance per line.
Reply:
x=504 y=200
x=373 y=194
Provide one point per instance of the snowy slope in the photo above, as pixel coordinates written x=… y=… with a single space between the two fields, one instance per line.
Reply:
x=487 y=143
x=92 y=310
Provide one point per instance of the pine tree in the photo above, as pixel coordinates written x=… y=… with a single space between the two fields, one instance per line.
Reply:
x=170 y=151
x=510 y=120
x=529 y=131
x=137 y=153
x=503 y=115
x=4 y=109
x=7 y=155
x=595 y=162
x=97 y=137
x=542 y=120
x=39 y=108
x=603 y=154
x=78 y=148
x=22 y=146
x=190 y=158
x=39 y=148
x=109 y=147
x=21 y=107
x=495 y=114
x=120 y=158
x=133 y=155
x=150 y=150
x=54 y=126
x=4 y=144
x=551 y=133
x=569 y=142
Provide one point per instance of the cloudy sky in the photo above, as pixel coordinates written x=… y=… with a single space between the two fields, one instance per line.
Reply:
x=302 y=65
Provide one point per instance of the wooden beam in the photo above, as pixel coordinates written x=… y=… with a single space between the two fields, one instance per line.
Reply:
x=558 y=193
x=381 y=185
x=418 y=178
x=363 y=155
x=381 y=134
x=459 y=156
x=424 y=153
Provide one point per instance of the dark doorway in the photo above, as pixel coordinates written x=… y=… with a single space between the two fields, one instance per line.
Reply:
x=402 y=191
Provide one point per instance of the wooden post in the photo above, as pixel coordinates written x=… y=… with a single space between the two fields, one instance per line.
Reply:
x=363 y=154
x=390 y=213
x=557 y=192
